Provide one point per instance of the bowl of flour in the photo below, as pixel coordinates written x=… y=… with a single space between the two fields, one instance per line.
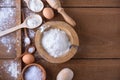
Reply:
x=33 y=72
x=56 y=41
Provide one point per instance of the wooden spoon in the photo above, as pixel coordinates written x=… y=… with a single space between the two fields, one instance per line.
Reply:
x=57 y=5
x=28 y=23
x=31 y=5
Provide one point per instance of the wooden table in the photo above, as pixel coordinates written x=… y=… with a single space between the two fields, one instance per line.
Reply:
x=98 y=28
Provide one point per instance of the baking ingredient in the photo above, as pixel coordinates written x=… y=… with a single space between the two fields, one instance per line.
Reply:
x=65 y=74
x=7 y=3
x=28 y=58
x=8 y=42
x=33 y=21
x=55 y=42
x=11 y=67
x=48 y=13
x=7 y=18
x=27 y=41
x=31 y=33
x=33 y=73
x=35 y=5
x=31 y=49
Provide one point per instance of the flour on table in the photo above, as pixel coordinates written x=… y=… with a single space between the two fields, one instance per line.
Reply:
x=8 y=42
x=12 y=68
x=7 y=18
x=7 y=2
x=31 y=33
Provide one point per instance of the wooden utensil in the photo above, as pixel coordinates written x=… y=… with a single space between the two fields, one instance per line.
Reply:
x=71 y=34
x=27 y=43
x=28 y=4
x=23 y=25
x=37 y=65
x=57 y=5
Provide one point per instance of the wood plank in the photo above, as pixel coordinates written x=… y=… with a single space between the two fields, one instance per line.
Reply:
x=10 y=17
x=87 y=3
x=8 y=3
x=85 y=69
x=90 y=3
x=9 y=70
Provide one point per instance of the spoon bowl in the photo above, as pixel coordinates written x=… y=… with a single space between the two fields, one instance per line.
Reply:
x=35 y=5
x=33 y=21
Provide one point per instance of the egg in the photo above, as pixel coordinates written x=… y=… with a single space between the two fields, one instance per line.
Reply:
x=28 y=58
x=48 y=13
x=65 y=74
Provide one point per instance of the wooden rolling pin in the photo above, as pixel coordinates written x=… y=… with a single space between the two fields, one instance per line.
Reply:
x=57 y=5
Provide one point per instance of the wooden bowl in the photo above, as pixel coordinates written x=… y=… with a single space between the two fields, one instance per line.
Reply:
x=71 y=34
x=34 y=64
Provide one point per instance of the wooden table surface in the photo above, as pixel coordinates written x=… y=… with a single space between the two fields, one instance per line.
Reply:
x=98 y=28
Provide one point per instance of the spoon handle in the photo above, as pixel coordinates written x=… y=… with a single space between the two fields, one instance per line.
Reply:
x=66 y=17
x=10 y=30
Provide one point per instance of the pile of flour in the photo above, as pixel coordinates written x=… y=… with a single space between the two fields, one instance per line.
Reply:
x=55 y=42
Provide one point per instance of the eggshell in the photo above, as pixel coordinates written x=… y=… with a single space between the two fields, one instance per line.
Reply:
x=48 y=13
x=28 y=58
x=65 y=74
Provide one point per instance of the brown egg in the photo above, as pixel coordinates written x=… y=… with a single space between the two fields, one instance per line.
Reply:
x=28 y=58
x=48 y=13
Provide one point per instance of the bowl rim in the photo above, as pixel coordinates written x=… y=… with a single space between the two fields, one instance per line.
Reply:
x=34 y=64
x=71 y=34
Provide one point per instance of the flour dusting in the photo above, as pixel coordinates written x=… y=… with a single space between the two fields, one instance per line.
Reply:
x=7 y=2
x=12 y=68
x=7 y=18
x=8 y=42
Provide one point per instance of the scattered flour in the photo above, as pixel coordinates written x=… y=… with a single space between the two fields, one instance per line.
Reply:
x=12 y=68
x=33 y=73
x=36 y=5
x=55 y=42
x=8 y=42
x=31 y=33
x=7 y=2
x=7 y=18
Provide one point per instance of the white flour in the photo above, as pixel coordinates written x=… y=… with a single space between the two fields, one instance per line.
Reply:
x=33 y=21
x=31 y=33
x=7 y=2
x=55 y=42
x=11 y=68
x=7 y=18
x=8 y=42
x=27 y=41
x=36 y=5
x=31 y=49
x=33 y=73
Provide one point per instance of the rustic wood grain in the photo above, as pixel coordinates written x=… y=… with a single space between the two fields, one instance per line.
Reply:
x=9 y=50
x=87 y=3
x=90 y=3
x=85 y=69
x=9 y=69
